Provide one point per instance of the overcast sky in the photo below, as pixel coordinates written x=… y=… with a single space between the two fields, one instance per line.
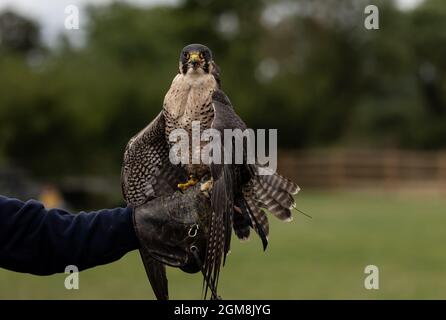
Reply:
x=50 y=13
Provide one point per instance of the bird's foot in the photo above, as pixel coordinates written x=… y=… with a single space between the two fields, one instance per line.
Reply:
x=207 y=187
x=189 y=183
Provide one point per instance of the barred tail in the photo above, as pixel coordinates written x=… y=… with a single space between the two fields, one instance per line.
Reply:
x=271 y=192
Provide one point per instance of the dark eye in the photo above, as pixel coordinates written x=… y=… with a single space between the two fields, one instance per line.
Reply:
x=201 y=55
x=186 y=55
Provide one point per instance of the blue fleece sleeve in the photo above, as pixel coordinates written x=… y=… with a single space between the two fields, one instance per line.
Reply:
x=43 y=242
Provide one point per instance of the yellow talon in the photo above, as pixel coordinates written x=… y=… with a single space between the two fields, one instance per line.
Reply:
x=206 y=187
x=191 y=182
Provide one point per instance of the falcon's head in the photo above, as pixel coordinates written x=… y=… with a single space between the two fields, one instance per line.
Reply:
x=196 y=58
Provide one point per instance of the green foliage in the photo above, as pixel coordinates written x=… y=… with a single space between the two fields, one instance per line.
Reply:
x=321 y=78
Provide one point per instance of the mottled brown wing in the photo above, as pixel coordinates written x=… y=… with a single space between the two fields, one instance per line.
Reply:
x=226 y=181
x=147 y=172
x=240 y=186
x=273 y=192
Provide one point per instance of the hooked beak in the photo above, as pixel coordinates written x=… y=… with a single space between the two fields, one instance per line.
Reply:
x=194 y=59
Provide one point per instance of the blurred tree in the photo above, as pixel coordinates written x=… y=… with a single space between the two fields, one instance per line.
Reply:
x=18 y=34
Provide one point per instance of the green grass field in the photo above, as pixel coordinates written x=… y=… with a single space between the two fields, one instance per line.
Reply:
x=319 y=258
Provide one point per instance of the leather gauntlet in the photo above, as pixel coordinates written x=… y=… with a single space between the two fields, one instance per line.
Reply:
x=173 y=229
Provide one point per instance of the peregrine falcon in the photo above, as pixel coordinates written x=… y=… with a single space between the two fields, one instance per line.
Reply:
x=239 y=193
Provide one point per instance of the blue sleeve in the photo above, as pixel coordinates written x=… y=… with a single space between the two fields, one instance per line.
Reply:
x=42 y=242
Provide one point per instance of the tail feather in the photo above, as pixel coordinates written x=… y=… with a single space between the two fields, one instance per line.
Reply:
x=266 y=200
x=283 y=198
x=276 y=209
x=276 y=181
x=271 y=192
x=258 y=219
